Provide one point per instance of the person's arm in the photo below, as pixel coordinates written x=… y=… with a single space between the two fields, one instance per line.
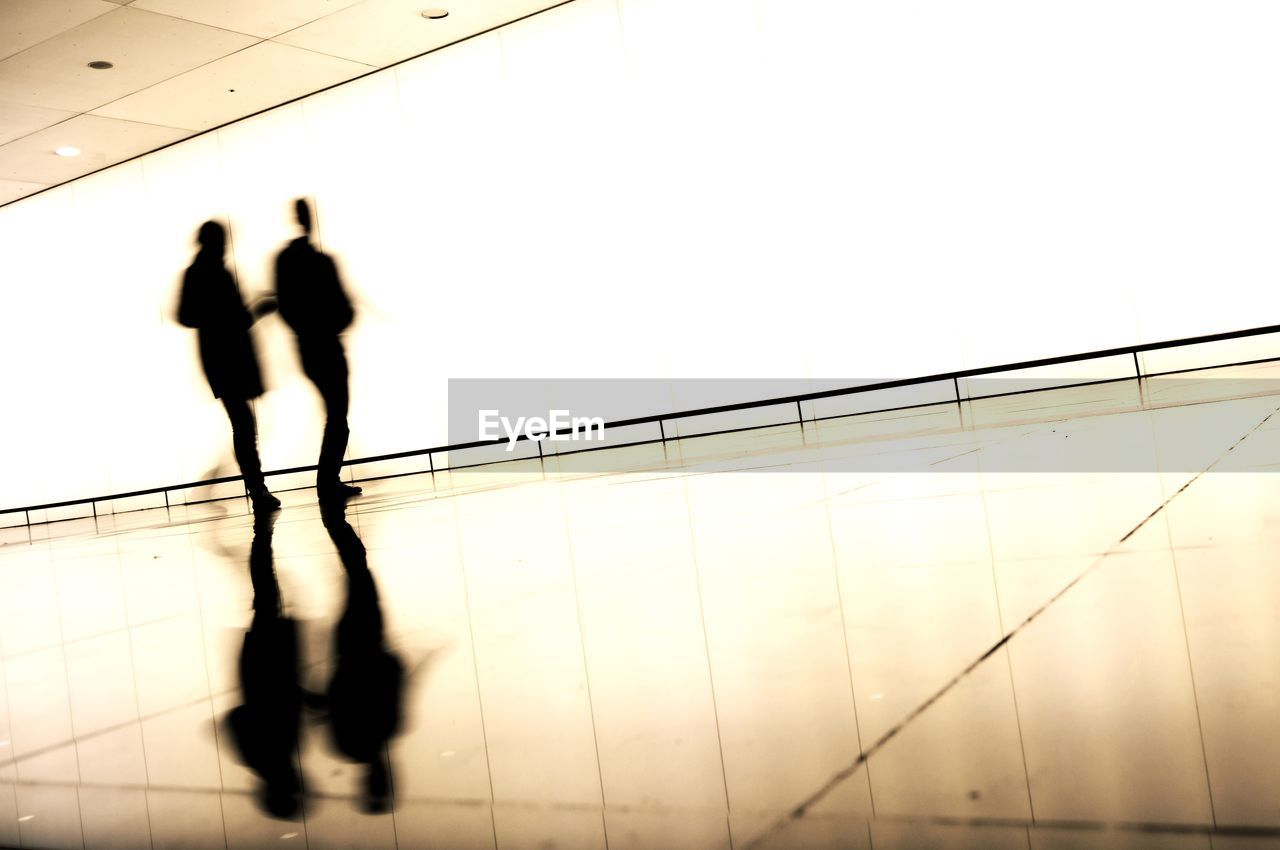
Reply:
x=264 y=306
x=235 y=312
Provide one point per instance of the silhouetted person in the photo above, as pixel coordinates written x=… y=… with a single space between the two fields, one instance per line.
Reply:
x=211 y=304
x=313 y=303
x=265 y=728
x=365 y=693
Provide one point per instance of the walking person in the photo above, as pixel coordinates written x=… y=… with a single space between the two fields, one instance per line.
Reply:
x=314 y=304
x=212 y=305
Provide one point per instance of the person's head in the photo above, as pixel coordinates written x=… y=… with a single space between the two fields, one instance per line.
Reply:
x=303 y=211
x=212 y=238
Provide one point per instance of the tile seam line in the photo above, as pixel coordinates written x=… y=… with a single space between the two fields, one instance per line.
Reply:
x=844 y=626
x=116 y=10
x=995 y=586
x=706 y=651
x=801 y=809
x=586 y=665
x=1186 y=641
x=133 y=681
x=475 y=662
x=23 y=50
x=92 y=110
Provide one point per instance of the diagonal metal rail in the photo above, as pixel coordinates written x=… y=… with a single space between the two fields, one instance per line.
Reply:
x=798 y=399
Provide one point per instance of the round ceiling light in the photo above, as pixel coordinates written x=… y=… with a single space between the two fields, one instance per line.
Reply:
x=436 y=14
x=99 y=65
x=67 y=150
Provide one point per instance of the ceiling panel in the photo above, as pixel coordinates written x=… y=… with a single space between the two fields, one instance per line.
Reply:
x=145 y=47
x=24 y=23
x=380 y=32
x=17 y=120
x=237 y=85
x=255 y=17
x=11 y=190
x=183 y=66
x=102 y=142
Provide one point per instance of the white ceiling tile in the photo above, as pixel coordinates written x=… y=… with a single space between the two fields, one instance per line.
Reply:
x=237 y=85
x=380 y=32
x=11 y=190
x=177 y=63
x=255 y=17
x=102 y=142
x=24 y=23
x=17 y=120
x=145 y=47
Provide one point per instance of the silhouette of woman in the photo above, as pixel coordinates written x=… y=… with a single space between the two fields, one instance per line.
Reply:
x=212 y=305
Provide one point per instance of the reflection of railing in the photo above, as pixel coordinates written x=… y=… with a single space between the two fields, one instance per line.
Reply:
x=798 y=400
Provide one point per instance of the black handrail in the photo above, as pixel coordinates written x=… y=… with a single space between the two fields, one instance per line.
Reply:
x=953 y=376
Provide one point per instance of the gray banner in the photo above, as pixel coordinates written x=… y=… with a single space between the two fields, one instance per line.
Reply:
x=1168 y=424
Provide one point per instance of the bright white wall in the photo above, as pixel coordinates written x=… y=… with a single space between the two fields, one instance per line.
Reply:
x=688 y=188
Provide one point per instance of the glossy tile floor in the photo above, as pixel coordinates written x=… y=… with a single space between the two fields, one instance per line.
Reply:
x=682 y=654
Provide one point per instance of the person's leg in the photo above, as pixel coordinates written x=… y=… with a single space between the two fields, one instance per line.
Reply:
x=333 y=389
x=244 y=440
x=325 y=363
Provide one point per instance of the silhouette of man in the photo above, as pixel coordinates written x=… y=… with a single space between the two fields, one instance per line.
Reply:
x=211 y=304
x=367 y=687
x=313 y=303
x=265 y=726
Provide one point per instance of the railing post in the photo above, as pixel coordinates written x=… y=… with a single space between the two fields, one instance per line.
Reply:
x=1137 y=369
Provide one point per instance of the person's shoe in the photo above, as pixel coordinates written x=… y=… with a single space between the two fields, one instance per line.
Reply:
x=377 y=787
x=343 y=490
x=264 y=501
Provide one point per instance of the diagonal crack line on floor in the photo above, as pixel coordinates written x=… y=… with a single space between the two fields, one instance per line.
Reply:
x=800 y=810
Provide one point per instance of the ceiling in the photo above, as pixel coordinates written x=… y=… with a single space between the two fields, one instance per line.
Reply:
x=185 y=66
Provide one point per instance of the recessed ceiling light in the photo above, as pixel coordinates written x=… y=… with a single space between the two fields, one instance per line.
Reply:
x=67 y=150
x=99 y=65
x=436 y=14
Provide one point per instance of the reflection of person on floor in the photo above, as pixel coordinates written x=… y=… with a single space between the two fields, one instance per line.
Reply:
x=265 y=728
x=211 y=304
x=314 y=304
x=365 y=693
